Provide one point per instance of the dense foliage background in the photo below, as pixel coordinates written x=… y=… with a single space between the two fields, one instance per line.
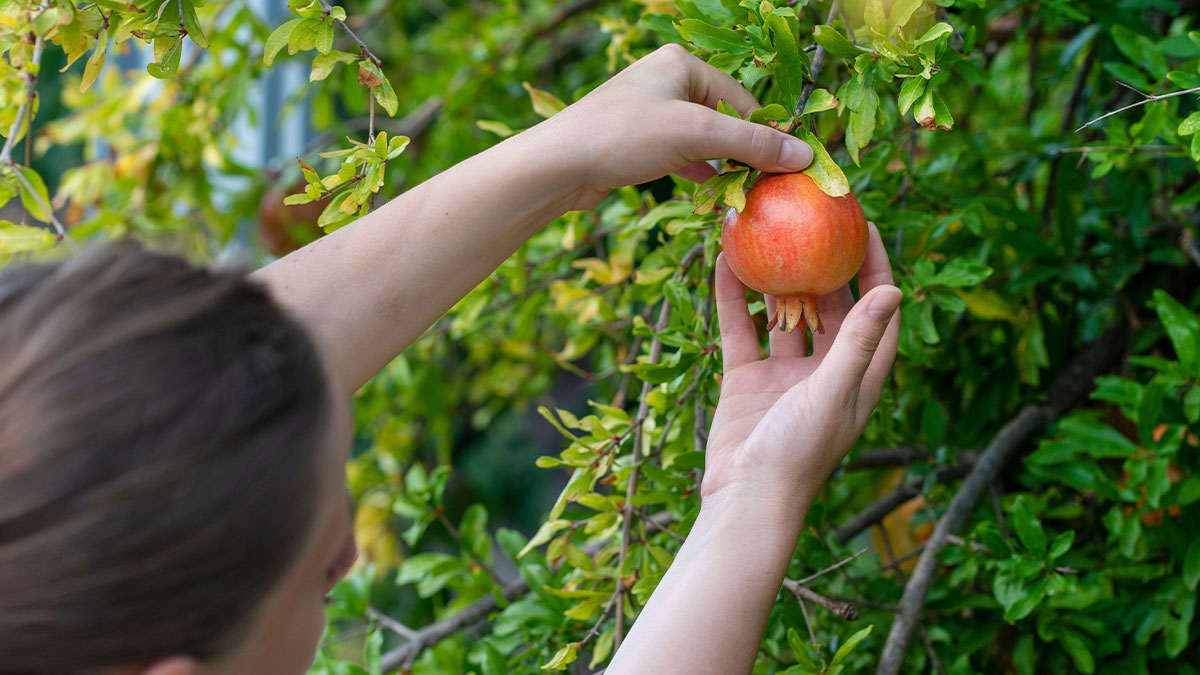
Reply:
x=1050 y=351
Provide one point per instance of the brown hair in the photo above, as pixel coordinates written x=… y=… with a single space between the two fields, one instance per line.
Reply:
x=158 y=424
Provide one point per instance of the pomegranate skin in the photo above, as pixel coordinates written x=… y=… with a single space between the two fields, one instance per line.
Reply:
x=794 y=241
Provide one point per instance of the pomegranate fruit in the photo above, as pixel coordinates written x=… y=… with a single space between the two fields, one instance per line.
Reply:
x=795 y=242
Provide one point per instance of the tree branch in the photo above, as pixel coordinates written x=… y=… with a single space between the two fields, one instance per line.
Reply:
x=886 y=458
x=1075 y=380
x=364 y=49
x=880 y=508
x=1148 y=99
x=837 y=565
x=423 y=638
x=26 y=108
x=844 y=608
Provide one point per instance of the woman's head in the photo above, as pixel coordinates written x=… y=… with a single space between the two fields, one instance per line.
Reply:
x=166 y=435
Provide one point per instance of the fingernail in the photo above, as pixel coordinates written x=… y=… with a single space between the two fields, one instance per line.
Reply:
x=884 y=304
x=795 y=154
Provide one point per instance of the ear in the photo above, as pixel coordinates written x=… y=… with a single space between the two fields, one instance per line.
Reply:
x=174 y=665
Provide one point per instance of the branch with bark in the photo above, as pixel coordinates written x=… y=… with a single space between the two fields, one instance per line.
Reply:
x=1067 y=388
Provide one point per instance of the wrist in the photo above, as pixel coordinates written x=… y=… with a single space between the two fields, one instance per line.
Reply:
x=557 y=148
x=768 y=510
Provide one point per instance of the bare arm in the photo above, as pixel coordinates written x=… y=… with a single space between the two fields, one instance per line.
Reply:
x=782 y=425
x=368 y=290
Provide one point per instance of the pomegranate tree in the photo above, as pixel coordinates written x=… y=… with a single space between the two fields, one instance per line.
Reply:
x=795 y=242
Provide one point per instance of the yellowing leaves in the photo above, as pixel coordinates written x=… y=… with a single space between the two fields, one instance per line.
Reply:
x=544 y=103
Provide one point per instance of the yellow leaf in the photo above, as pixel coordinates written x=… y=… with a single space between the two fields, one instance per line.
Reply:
x=544 y=103
x=989 y=305
x=95 y=62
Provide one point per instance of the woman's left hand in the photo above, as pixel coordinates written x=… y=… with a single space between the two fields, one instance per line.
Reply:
x=658 y=116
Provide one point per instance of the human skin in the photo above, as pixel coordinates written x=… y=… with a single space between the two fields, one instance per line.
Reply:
x=368 y=290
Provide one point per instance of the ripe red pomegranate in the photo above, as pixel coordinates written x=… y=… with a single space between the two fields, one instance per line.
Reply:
x=795 y=242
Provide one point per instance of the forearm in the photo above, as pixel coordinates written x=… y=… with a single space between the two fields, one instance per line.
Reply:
x=369 y=289
x=710 y=609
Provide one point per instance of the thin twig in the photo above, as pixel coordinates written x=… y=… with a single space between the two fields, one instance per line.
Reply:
x=880 y=508
x=392 y=624
x=365 y=50
x=656 y=345
x=595 y=630
x=812 y=634
x=839 y=564
x=1112 y=148
x=1148 y=99
x=26 y=107
x=1069 y=386
x=933 y=657
x=843 y=608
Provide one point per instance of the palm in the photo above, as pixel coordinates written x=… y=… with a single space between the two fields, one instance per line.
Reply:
x=793 y=411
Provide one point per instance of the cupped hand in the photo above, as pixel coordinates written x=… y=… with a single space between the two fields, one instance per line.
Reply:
x=658 y=116
x=785 y=422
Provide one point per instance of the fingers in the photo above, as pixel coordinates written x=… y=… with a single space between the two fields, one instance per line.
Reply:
x=876 y=269
x=877 y=372
x=832 y=309
x=783 y=343
x=707 y=134
x=739 y=343
x=844 y=367
x=707 y=85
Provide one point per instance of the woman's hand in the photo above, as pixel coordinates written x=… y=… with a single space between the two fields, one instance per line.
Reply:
x=785 y=422
x=658 y=116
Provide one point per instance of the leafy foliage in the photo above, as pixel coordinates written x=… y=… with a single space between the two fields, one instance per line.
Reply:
x=1016 y=240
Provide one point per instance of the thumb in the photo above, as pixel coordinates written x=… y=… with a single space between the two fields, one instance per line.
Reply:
x=844 y=366
x=758 y=145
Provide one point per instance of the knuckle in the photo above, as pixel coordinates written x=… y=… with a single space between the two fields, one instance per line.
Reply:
x=764 y=141
x=673 y=52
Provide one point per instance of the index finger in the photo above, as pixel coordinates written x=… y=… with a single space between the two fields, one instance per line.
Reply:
x=876 y=269
x=707 y=86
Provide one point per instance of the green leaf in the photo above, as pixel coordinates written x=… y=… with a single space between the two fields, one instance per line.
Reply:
x=292 y=200
x=723 y=186
x=1191 y=405
x=910 y=91
x=24 y=238
x=937 y=31
x=169 y=64
x=770 y=113
x=818 y=101
x=824 y=171
x=707 y=36
x=1061 y=544
x=1191 y=565
x=1190 y=125
x=902 y=11
x=834 y=42
x=726 y=109
x=849 y=645
x=324 y=37
x=1078 y=649
x=192 y=24
x=33 y=201
x=1027 y=527
x=862 y=125
x=323 y=64
x=386 y=97
x=790 y=66
x=278 y=39
x=959 y=272
x=499 y=128
x=800 y=651
x=603 y=648
x=1183 y=328
x=95 y=62
x=563 y=658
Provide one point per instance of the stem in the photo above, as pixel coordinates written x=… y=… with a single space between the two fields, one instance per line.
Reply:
x=26 y=107
x=1074 y=382
x=366 y=51
x=1148 y=99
